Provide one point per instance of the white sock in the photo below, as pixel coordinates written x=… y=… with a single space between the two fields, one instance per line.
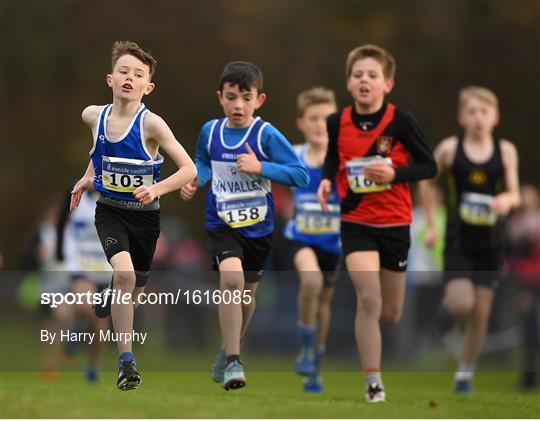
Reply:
x=464 y=372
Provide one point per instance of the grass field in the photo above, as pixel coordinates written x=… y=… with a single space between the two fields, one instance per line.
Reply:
x=269 y=395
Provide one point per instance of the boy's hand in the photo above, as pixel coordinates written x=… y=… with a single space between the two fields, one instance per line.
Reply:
x=431 y=236
x=188 y=191
x=380 y=173
x=248 y=162
x=323 y=193
x=502 y=204
x=82 y=185
x=145 y=194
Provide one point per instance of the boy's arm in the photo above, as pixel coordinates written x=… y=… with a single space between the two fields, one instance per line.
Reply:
x=156 y=129
x=85 y=183
x=202 y=157
x=423 y=165
x=284 y=165
x=89 y=116
x=443 y=155
x=510 y=198
x=202 y=162
x=331 y=161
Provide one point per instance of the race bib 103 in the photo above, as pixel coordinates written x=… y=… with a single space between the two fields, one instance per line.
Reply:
x=125 y=175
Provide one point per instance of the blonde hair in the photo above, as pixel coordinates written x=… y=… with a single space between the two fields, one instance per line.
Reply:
x=314 y=96
x=483 y=94
x=370 y=50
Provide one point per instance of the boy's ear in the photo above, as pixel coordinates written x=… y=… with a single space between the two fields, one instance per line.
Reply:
x=300 y=124
x=218 y=94
x=389 y=85
x=151 y=86
x=108 y=79
x=260 y=100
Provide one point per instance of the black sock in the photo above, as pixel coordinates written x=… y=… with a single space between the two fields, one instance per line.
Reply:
x=231 y=358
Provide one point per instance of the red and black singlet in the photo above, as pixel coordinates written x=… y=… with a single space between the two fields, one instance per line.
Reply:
x=390 y=133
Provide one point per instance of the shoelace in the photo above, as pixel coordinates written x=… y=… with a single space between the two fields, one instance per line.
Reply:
x=128 y=366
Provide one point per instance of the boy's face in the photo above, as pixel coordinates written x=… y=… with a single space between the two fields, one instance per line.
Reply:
x=367 y=83
x=239 y=106
x=130 y=79
x=478 y=117
x=313 y=123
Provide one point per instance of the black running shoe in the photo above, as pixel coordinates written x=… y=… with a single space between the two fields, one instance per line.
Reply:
x=128 y=376
x=103 y=309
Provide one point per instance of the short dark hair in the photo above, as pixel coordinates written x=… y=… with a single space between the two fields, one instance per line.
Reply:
x=121 y=48
x=245 y=75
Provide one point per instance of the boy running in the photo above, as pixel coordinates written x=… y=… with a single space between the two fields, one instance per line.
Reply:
x=124 y=168
x=482 y=186
x=314 y=238
x=368 y=159
x=241 y=154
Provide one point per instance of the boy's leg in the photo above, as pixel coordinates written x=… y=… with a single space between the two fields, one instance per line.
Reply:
x=393 y=294
x=230 y=314
x=363 y=267
x=248 y=305
x=324 y=316
x=459 y=297
x=122 y=313
x=311 y=283
x=474 y=335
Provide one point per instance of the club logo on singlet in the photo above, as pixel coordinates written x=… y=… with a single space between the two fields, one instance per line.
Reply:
x=384 y=144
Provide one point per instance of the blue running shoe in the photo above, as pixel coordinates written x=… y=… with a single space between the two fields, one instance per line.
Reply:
x=305 y=362
x=462 y=386
x=313 y=384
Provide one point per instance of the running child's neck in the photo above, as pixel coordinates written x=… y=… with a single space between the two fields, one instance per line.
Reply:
x=124 y=108
x=315 y=153
x=369 y=108
x=484 y=139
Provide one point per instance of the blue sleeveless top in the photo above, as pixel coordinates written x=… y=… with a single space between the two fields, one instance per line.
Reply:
x=309 y=224
x=121 y=165
x=237 y=199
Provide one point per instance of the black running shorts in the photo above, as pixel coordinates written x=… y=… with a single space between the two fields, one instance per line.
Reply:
x=392 y=243
x=482 y=267
x=133 y=231
x=330 y=264
x=226 y=242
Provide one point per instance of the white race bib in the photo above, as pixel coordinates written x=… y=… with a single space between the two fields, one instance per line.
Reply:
x=310 y=219
x=358 y=182
x=242 y=211
x=125 y=175
x=475 y=209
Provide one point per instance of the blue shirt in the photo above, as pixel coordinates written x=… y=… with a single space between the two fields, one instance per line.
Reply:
x=309 y=224
x=240 y=200
x=121 y=165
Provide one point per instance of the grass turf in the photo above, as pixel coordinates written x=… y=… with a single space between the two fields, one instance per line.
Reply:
x=268 y=395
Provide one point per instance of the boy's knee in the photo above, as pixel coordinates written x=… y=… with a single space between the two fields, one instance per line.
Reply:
x=124 y=280
x=459 y=308
x=232 y=281
x=481 y=313
x=391 y=314
x=369 y=304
